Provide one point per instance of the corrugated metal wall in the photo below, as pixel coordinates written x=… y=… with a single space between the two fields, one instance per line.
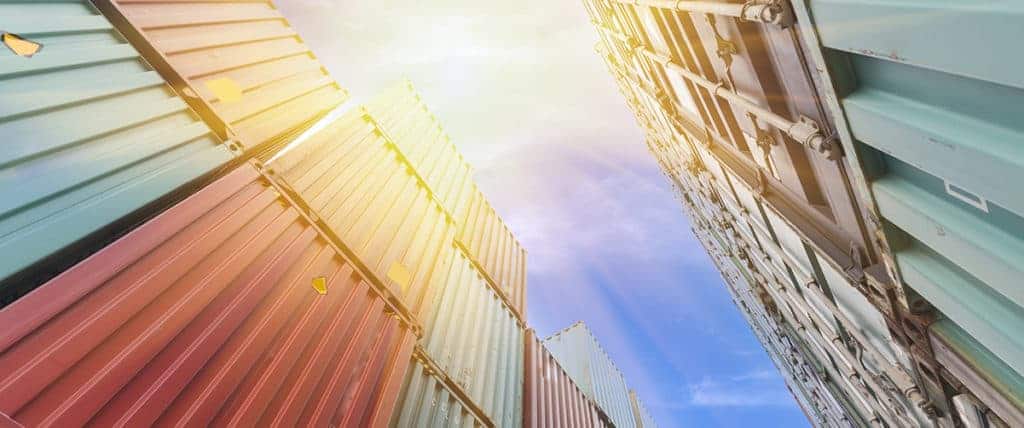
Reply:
x=640 y=414
x=477 y=341
x=426 y=401
x=551 y=398
x=939 y=163
x=494 y=248
x=229 y=308
x=244 y=64
x=847 y=168
x=481 y=232
x=582 y=357
x=420 y=137
x=358 y=183
x=91 y=134
x=322 y=275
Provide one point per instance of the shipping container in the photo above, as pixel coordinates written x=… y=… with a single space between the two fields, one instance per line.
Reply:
x=233 y=307
x=589 y=366
x=640 y=414
x=494 y=250
x=477 y=341
x=241 y=64
x=422 y=140
x=481 y=232
x=934 y=131
x=94 y=141
x=852 y=161
x=360 y=185
x=551 y=398
x=429 y=399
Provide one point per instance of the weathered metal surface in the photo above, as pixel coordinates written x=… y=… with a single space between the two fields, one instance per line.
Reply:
x=357 y=181
x=91 y=135
x=428 y=401
x=551 y=398
x=230 y=308
x=590 y=367
x=481 y=232
x=918 y=220
x=932 y=129
x=476 y=340
x=242 y=65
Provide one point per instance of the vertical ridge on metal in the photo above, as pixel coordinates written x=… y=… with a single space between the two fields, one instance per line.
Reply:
x=205 y=315
x=551 y=398
x=94 y=141
x=481 y=233
x=238 y=63
x=475 y=339
x=430 y=397
x=589 y=366
x=356 y=183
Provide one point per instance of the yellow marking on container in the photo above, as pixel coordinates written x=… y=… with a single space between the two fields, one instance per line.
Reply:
x=20 y=45
x=225 y=89
x=320 y=285
x=400 y=274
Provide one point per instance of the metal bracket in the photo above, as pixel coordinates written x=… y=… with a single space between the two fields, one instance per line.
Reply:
x=725 y=48
x=806 y=132
x=771 y=12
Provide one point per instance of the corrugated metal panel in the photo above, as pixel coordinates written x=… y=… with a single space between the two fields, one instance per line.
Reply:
x=493 y=247
x=582 y=357
x=229 y=308
x=933 y=122
x=477 y=341
x=482 y=233
x=551 y=398
x=423 y=141
x=91 y=134
x=427 y=401
x=246 y=66
x=358 y=183
x=643 y=417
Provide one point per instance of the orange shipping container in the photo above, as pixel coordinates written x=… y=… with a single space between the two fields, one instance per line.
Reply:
x=357 y=182
x=230 y=308
x=239 y=63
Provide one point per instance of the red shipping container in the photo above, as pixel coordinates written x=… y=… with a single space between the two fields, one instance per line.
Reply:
x=230 y=308
x=551 y=398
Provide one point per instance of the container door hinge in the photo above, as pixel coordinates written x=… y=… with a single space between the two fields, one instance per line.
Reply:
x=776 y=12
x=807 y=132
x=725 y=49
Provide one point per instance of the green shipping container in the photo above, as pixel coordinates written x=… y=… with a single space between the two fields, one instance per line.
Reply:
x=94 y=139
x=933 y=105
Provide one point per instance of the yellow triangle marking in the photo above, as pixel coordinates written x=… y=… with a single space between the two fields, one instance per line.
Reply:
x=225 y=89
x=20 y=46
x=400 y=274
x=320 y=285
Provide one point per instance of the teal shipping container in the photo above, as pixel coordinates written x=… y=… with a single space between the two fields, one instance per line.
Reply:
x=932 y=110
x=94 y=141
x=590 y=367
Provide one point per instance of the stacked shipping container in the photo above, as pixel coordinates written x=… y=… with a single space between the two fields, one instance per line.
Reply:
x=587 y=364
x=850 y=180
x=347 y=275
x=552 y=397
x=100 y=137
x=481 y=233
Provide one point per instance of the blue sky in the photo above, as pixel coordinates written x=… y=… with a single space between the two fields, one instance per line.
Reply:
x=520 y=90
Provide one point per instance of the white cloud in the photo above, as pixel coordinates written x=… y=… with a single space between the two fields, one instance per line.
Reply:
x=757 y=388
